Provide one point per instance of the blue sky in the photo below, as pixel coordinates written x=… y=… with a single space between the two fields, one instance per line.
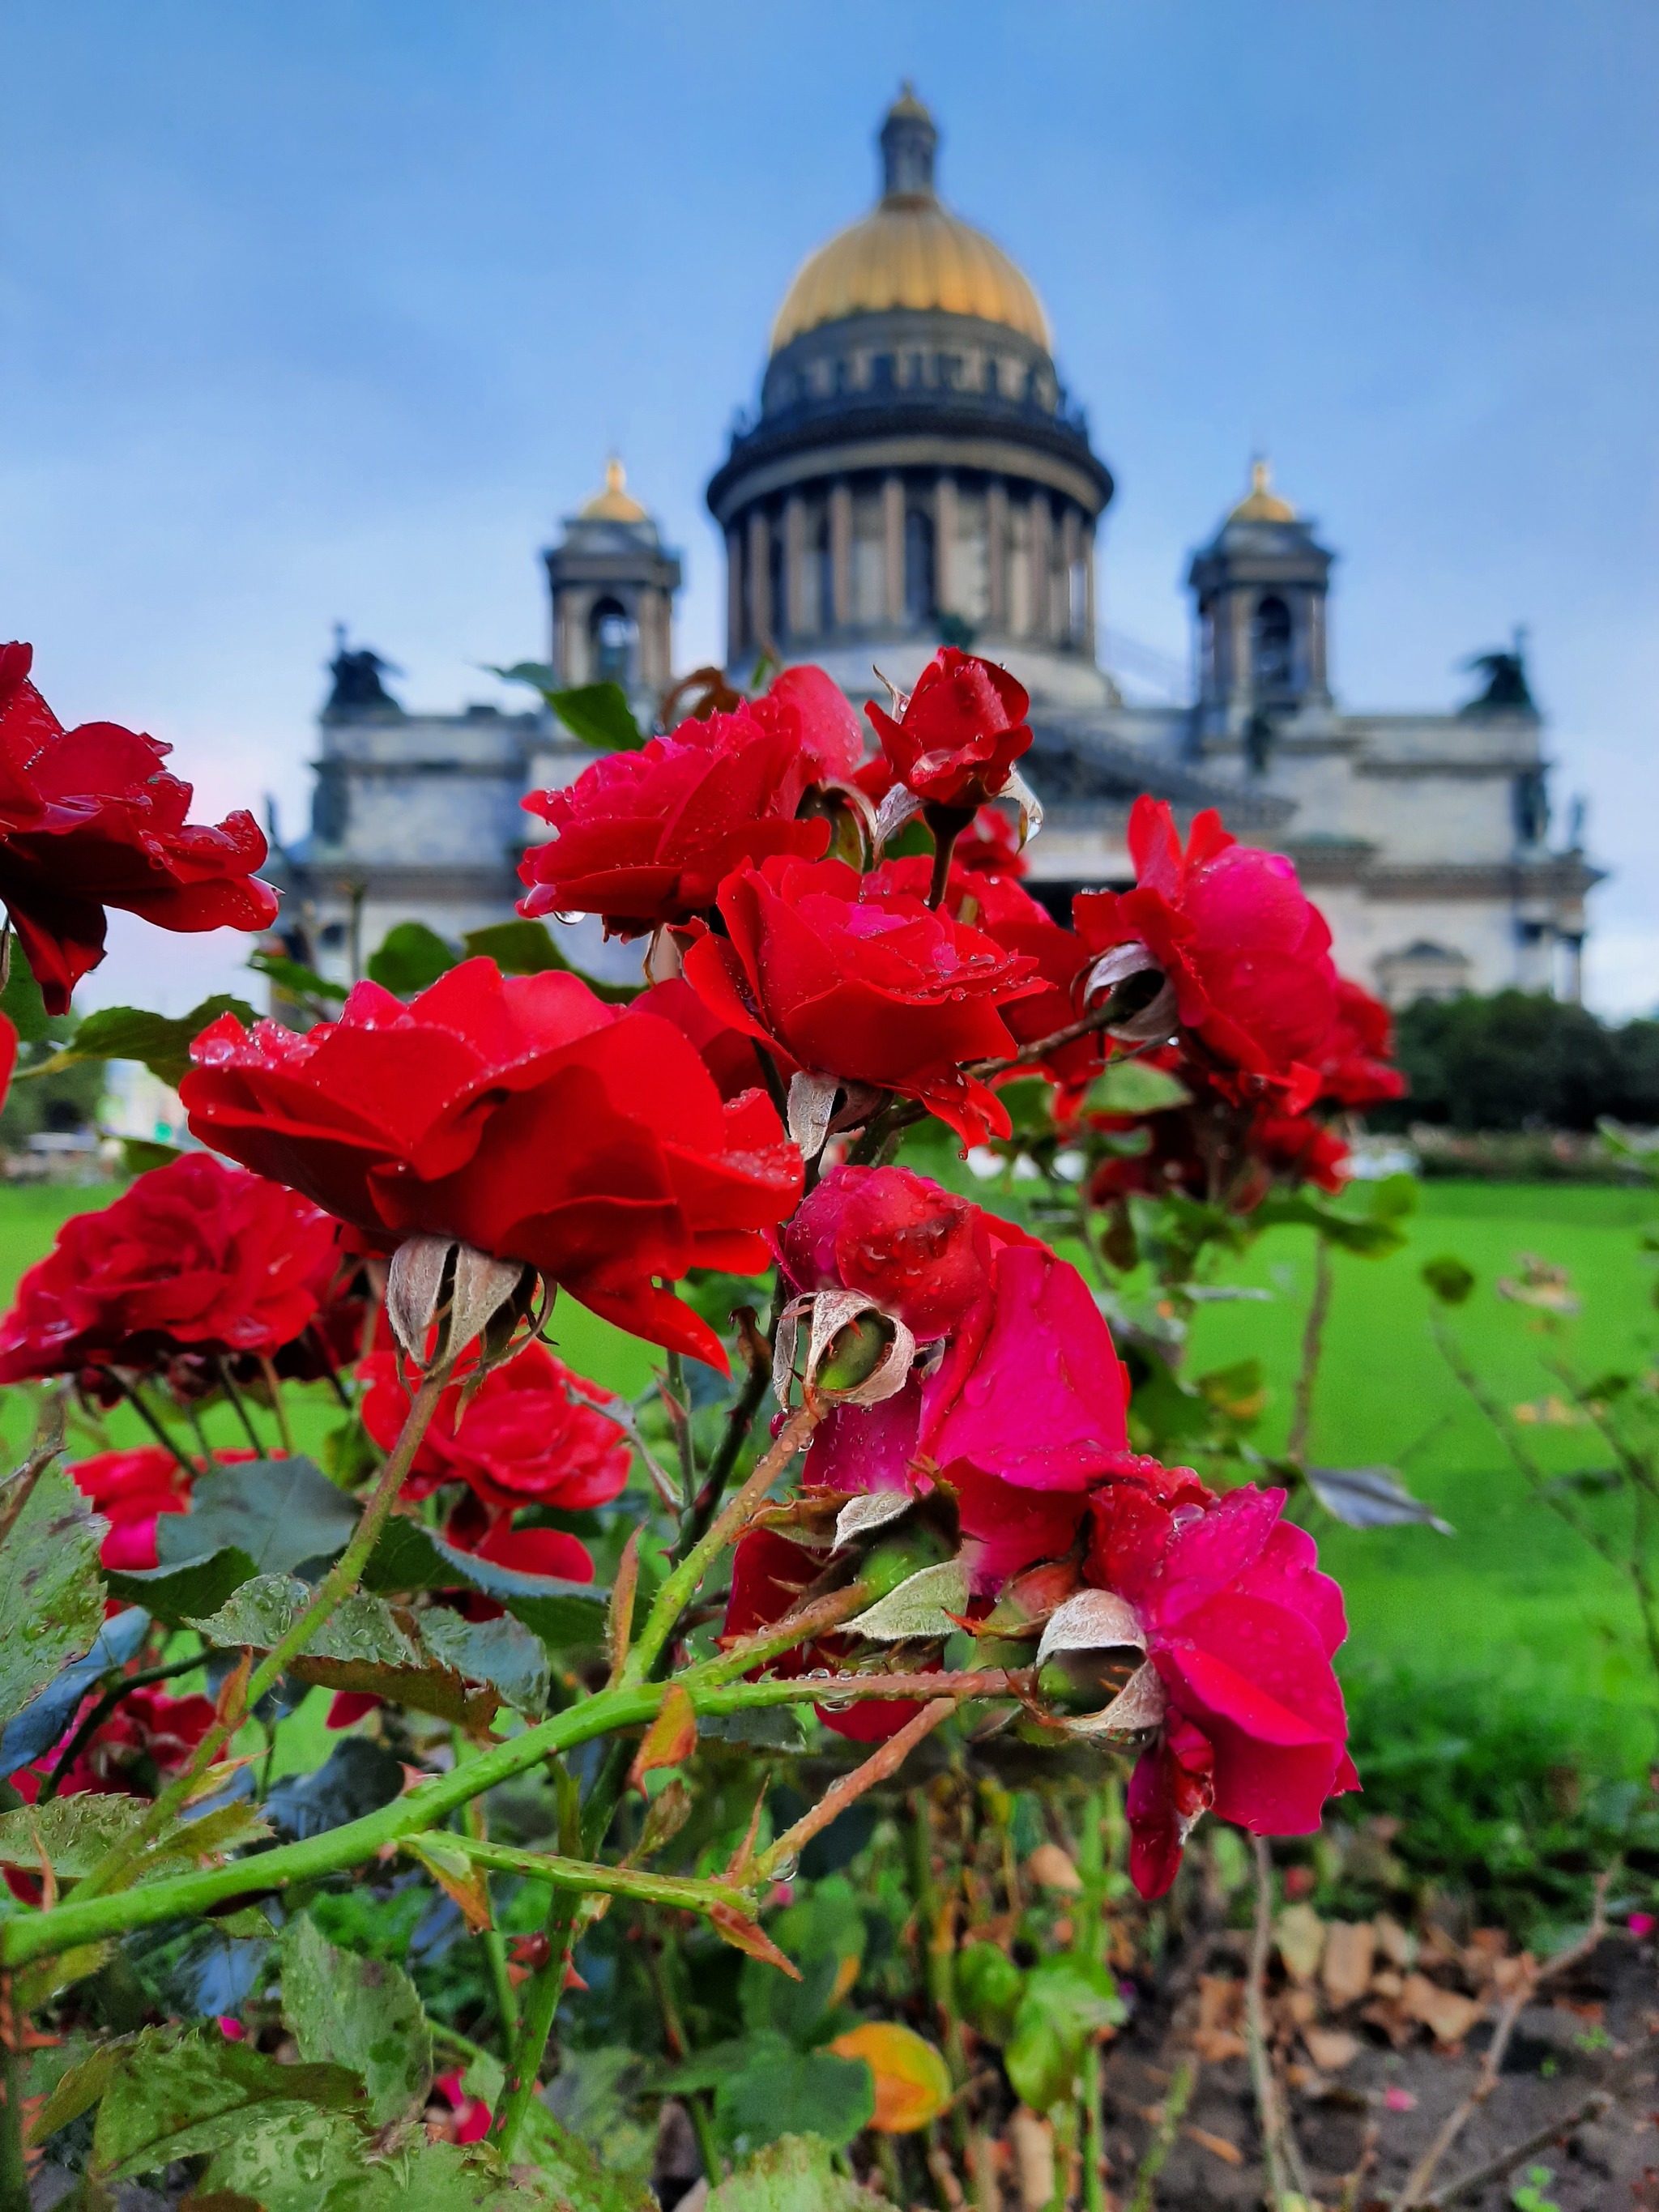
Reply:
x=314 y=311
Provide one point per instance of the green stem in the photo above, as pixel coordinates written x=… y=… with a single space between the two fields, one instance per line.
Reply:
x=1090 y=1933
x=495 y=1943
x=1313 y=1346
x=681 y=1585
x=1162 y=2142
x=739 y=1420
x=529 y=2048
x=151 y=1419
x=679 y=1893
x=679 y=1413
x=284 y=1428
x=229 y=1386
x=85 y=1918
x=337 y=1585
x=14 y=2168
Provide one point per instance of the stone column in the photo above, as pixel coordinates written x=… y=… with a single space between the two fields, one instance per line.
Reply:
x=892 y=533
x=794 y=565
x=734 y=598
x=1071 y=561
x=1240 y=677
x=1317 y=678
x=1042 y=587
x=944 y=546
x=840 y=555
x=760 y=580
x=1089 y=642
x=996 y=554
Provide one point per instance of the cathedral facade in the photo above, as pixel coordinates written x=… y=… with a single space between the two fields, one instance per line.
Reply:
x=916 y=472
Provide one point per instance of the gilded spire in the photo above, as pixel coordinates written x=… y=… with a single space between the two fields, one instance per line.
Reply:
x=614 y=504
x=1262 y=503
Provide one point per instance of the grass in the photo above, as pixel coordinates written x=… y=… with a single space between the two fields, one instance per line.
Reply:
x=1513 y=1598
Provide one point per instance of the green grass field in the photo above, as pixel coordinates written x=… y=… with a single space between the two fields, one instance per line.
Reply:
x=1514 y=1598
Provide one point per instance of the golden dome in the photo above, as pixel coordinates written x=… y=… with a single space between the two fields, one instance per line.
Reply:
x=910 y=252
x=613 y=503
x=1262 y=503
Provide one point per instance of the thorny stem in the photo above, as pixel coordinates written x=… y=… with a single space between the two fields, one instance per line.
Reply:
x=1269 y=2113
x=679 y=1416
x=740 y=1420
x=85 y=1918
x=495 y=1943
x=13 y=2166
x=1313 y=1346
x=851 y=1787
x=1091 y=1865
x=337 y=1585
x=1173 y=2113
x=529 y=2047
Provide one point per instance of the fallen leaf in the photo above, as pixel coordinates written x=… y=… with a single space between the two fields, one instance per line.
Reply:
x=1331 y=2049
x=1218 y=2146
x=1349 y=1951
x=1051 y=1869
x=913 y=2083
x=1392 y=1940
x=1300 y=1934
x=1447 y=2015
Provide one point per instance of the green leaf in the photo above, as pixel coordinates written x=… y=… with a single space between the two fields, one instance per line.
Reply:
x=362 y=2013
x=1370 y=1498
x=989 y=1987
x=1372 y=1239
x=1448 y=1279
x=780 y=2091
x=598 y=714
x=1135 y=1086
x=1066 y=2002
x=797 y=2173
x=410 y=958
x=296 y=980
x=356 y=1778
x=363 y=1646
x=281 y=1513
x=527 y=948
x=593 y=2096
x=140 y=1154
x=562 y=1614
x=176 y=1595
x=21 y=1001
x=132 y=1033
x=51 y=1601
x=297 y=2162
x=72 y=1833
x=502 y=1653
x=173 y=2096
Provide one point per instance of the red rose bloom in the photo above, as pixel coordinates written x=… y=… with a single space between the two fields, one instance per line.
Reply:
x=522 y=1115
x=90 y=819
x=1247 y=955
x=961 y=730
x=527 y=1435
x=196 y=1256
x=1354 y=1067
x=991 y=843
x=847 y=974
x=645 y=837
x=730 y=1057
x=1241 y=1627
x=132 y=1490
x=922 y=1253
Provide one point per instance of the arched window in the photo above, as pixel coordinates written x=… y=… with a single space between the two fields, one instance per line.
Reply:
x=612 y=630
x=918 y=567
x=1272 y=666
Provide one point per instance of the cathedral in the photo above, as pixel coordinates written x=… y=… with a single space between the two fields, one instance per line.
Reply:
x=915 y=472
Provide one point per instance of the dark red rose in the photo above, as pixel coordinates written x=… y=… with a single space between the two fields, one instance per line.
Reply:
x=847 y=975
x=645 y=837
x=522 y=1115
x=132 y=1490
x=527 y=1435
x=90 y=819
x=1354 y=1067
x=1247 y=955
x=730 y=1057
x=921 y=1253
x=1242 y=1627
x=1296 y=1148
x=961 y=732
x=196 y=1255
x=145 y=1741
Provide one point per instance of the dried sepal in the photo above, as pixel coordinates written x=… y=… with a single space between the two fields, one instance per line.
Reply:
x=1140 y=1704
x=924 y=1607
x=1149 y=1011
x=901 y=804
x=1029 y=805
x=872 y=1509
x=811 y=1102
x=440 y=1281
x=830 y=1313
x=1093 y=1620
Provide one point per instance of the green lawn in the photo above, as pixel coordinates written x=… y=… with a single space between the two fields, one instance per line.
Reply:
x=1513 y=1597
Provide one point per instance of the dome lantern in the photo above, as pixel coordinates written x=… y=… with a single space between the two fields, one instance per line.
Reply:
x=908 y=140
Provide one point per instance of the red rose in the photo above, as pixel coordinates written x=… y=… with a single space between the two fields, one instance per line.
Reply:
x=1247 y=955
x=922 y=1253
x=730 y=1057
x=1296 y=1148
x=1003 y=910
x=1241 y=1627
x=132 y=1490
x=527 y=1435
x=89 y=819
x=1353 y=1066
x=961 y=732
x=195 y=1255
x=847 y=975
x=522 y=1115
x=645 y=837
x=991 y=844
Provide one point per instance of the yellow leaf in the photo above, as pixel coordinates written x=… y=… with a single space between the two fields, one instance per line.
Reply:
x=913 y=2083
x=457 y=1875
x=671 y=1737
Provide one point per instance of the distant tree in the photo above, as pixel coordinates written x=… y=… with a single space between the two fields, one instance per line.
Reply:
x=1518 y=1060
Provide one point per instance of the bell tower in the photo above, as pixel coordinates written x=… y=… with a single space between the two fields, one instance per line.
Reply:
x=1261 y=585
x=612 y=582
